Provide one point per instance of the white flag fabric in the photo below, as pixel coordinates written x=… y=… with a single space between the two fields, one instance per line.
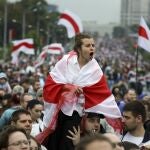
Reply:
x=41 y=58
x=144 y=35
x=14 y=56
x=25 y=45
x=72 y=23
x=54 y=48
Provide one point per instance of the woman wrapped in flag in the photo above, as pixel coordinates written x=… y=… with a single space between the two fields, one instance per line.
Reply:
x=75 y=85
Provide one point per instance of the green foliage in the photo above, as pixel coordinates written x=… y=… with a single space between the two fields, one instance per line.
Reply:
x=41 y=25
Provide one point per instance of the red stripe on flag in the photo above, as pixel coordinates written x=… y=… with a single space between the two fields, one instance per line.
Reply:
x=96 y=93
x=22 y=44
x=54 y=48
x=74 y=24
x=142 y=32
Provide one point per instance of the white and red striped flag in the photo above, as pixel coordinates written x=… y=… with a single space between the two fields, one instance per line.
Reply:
x=25 y=45
x=59 y=89
x=54 y=48
x=72 y=23
x=144 y=35
x=41 y=58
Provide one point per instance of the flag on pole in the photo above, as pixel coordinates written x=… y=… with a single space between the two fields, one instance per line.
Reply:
x=72 y=23
x=144 y=35
x=41 y=58
x=54 y=48
x=25 y=45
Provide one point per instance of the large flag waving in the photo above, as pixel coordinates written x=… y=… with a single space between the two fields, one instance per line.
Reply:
x=55 y=48
x=144 y=35
x=72 y=23
x=25 y=45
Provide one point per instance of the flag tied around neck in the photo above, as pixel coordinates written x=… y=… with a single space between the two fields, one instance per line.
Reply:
x=72 y=22
x=59 y=92
x=144 y=35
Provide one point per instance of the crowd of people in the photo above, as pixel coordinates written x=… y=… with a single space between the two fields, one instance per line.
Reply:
x=90 y=99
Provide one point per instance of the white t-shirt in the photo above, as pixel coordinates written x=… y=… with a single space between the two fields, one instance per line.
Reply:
x=133 y=139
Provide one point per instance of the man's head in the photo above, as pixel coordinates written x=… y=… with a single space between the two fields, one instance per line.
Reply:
x=134 y=115
x=3 y=78
x=36 y=85
x=95 y=142
x=130 y=95
x=92 y=123
x=22 y=119
x=84 y=46
x=115 y=141
x=39 y=94
x=24 y=99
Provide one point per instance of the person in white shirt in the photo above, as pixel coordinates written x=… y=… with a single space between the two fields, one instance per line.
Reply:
x=35 y=107
x=134 y=115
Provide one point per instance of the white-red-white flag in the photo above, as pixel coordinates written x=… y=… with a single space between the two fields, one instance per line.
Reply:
x=72 y=22
x=144 y=35
x=59 y=90
x=25 y=45
x=54 y=48
x=41 y=58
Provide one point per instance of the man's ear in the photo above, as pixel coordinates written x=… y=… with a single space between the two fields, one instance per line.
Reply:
x=139 y=118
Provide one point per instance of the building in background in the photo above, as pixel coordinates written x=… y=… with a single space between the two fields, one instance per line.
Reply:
x=132 y=10
x=93 y=27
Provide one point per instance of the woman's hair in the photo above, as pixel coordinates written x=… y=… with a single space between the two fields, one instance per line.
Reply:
x=33 y=102
x=6 y=132
x=78 y=41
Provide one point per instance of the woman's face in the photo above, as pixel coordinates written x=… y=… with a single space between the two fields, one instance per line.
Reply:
x=86 y=53
x=18 y=141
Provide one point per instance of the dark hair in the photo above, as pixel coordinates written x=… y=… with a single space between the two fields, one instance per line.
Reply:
x=7 y=96
x=33 y=102
x=91 y=115
x=4 y=135
x=89 y=139
x=78 y=41
x=137 y=108
x=16 y=114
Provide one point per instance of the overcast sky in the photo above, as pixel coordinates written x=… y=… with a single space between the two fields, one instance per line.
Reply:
x=102 y=11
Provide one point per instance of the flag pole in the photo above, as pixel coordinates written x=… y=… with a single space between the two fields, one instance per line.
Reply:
x=137 y=53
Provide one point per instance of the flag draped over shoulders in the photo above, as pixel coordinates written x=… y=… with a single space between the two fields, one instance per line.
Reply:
x=90 y=78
